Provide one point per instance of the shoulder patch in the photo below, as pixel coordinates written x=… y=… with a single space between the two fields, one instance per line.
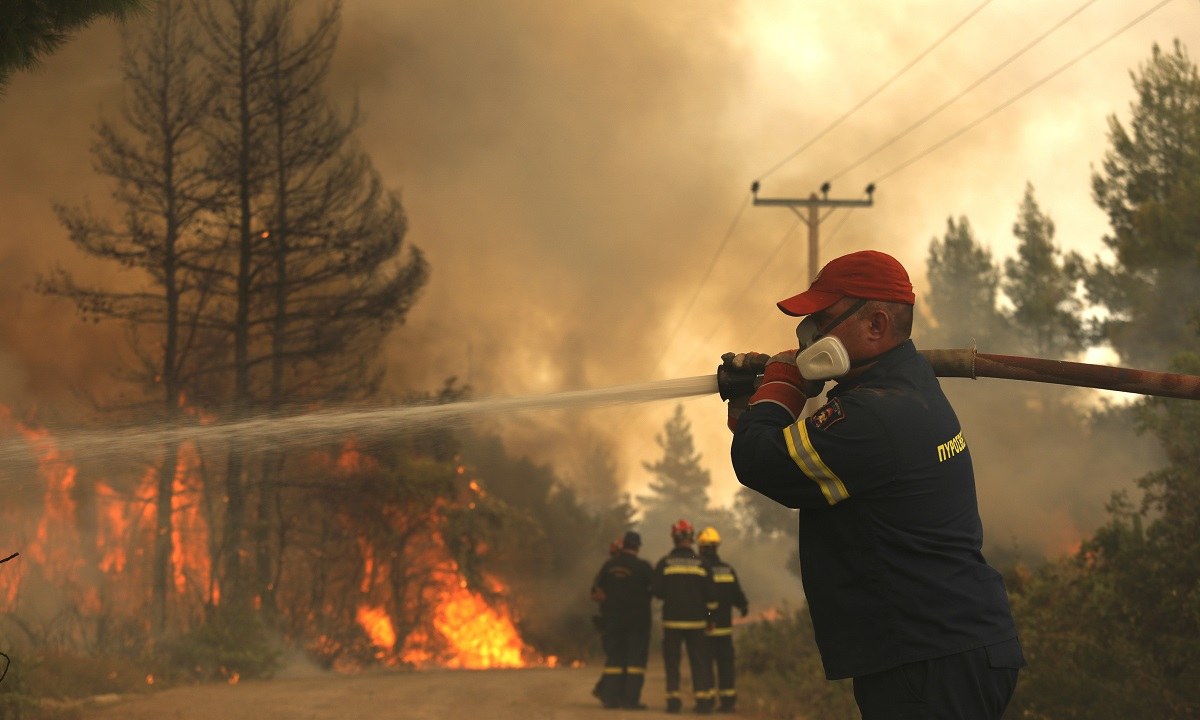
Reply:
x=828 y=414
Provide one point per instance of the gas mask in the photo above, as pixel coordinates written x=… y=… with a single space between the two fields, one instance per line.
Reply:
x=822 y=356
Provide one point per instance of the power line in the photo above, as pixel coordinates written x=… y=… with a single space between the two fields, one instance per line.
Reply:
x=753 y=280
x=824 y=244
x=707 y=272
x=875 y=92
x=1023 y=93
x=835 y=123
x=964 y=91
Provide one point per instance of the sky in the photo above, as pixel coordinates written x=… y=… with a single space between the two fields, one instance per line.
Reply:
x=578 y=175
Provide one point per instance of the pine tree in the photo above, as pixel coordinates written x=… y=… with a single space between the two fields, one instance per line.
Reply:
x=1041 y=283
x=154 y=161
x=1150 y=189
x=316 y=273
x=963 y=285
x=30 y=29
x=680 y=485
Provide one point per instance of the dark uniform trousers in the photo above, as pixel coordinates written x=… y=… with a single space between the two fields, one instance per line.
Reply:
x=720 y=647
x=973 y=685
x=625 y=651
x=699 y=662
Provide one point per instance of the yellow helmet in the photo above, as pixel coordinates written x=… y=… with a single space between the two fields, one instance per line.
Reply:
x=708 y=536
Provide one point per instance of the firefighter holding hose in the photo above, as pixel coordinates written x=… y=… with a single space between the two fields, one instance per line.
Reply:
x=900 y=595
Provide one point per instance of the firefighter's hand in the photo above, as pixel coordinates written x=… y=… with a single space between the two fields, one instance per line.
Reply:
x=742 y=371
x=783 y=385
x=745 y=362
x=735 y=408
x=787 y=360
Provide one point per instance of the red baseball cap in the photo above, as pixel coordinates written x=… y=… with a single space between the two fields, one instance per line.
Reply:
x=867 y=274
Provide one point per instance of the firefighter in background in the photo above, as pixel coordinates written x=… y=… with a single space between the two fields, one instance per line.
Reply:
x=685 y=586
x=598 y=619
x=720 y=635
x=623 y=589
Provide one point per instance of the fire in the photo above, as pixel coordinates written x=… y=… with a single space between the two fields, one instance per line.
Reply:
x=378 y=625
x=92 y=542
x=482 y=636
x=466 y=630
x=96 y=551
x=462 y=627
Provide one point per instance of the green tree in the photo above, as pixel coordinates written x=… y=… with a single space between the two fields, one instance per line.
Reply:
x=963 y=286
x=1041 y=283
x=30 y=29
x=680 y=485
x=1110 y=631
x=1149 y=187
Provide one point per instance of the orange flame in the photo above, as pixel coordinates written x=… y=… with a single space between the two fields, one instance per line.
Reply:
x=378 y=626
x=467 y=631
x=116 y=571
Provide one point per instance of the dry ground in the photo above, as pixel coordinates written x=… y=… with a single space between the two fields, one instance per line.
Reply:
x=535 y=694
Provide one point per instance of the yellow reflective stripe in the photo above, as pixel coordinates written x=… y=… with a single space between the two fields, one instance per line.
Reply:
x=705 y=694
x=810 y=463
x=713 y=605
x=613 y=671
x=684 y=570
x=723 y=578
x=728 y=693
x=637 y=670
x=718 y=632
x=685 y=624
x=673 y=694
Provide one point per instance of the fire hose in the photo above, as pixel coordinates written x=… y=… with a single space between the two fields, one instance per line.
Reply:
x=969 y=363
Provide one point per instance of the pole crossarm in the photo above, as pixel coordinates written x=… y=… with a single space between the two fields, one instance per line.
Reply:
x=813 y=202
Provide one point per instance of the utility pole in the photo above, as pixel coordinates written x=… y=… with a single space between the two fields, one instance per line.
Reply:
x=813 y=219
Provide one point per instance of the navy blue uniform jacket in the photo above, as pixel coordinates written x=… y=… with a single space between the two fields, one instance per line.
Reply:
x=625 y=580
x=890 y=536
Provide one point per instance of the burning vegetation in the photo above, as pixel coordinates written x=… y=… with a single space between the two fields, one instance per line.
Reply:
x=382 y=587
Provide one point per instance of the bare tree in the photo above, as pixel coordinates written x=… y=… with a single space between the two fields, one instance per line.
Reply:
x=321 y=274
x=336 y=283
x=238 y=37
x=153 y=157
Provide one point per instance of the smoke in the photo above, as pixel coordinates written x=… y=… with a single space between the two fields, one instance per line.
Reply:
x=572 y=169
x=1044 y=472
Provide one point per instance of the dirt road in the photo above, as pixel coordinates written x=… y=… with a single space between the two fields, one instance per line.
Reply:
x=554 y=694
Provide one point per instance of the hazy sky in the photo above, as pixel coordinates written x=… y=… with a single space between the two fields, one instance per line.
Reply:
x=571 y=170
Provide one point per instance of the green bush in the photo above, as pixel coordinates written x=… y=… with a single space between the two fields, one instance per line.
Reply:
x=780 y=673
x=232 y=643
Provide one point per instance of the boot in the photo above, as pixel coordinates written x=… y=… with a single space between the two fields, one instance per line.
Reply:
x=674 y=705
x=704 y=706
x=727 y=704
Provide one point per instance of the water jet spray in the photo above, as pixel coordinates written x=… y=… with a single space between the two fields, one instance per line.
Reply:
x=366 y=423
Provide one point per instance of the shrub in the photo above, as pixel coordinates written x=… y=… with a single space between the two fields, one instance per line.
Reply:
x=232 y=644
x=780 y=672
